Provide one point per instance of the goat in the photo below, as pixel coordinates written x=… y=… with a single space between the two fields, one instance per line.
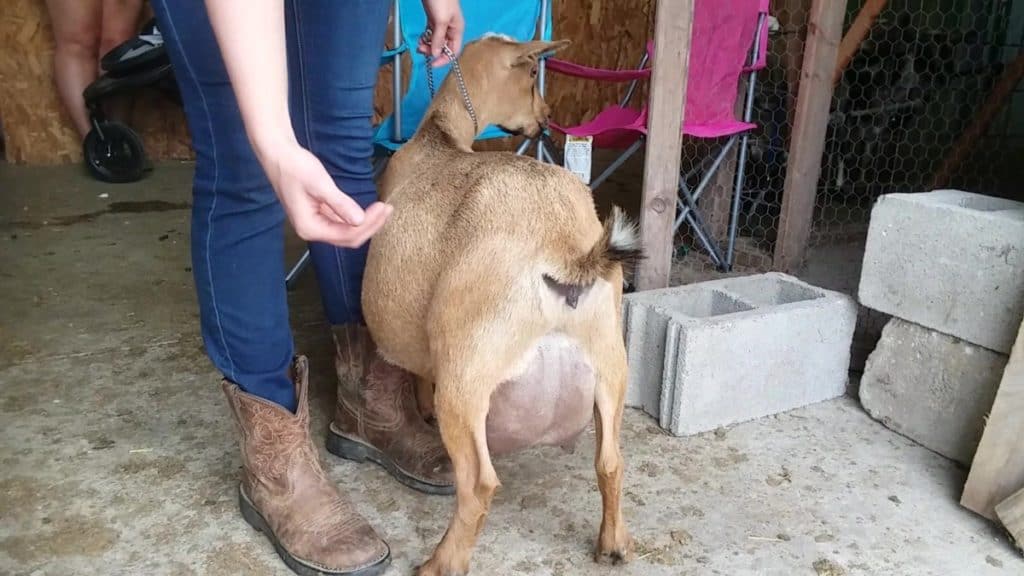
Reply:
x=496 y=283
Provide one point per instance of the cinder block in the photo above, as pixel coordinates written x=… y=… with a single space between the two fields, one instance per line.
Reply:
x=948 y=260
x=715 y=353
x=931 y=387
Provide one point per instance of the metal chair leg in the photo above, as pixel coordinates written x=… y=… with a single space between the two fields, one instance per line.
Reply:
x=699 y=227
x=293 y=274
x=615 y=165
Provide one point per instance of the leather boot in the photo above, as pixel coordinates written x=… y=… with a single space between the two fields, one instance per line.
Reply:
x=377 y=417
x=285 y=493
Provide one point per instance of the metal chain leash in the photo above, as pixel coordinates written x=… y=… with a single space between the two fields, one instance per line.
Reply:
x=458 y=76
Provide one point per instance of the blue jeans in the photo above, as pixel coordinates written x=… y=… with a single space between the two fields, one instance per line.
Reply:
x=237 y=222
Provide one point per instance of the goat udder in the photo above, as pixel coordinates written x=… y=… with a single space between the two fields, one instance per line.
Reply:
x=549 y=403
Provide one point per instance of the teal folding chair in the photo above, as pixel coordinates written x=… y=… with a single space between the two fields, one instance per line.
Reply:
x=519 y=19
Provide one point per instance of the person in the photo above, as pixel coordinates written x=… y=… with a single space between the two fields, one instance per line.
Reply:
x=83 y=31
x=278 y=95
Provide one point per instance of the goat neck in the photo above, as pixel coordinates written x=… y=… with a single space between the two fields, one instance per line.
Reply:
x=447 y=122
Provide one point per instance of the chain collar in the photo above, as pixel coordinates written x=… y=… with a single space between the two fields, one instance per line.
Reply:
x=458 y=76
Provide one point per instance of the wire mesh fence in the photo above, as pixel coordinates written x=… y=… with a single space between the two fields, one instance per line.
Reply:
x=931 y=99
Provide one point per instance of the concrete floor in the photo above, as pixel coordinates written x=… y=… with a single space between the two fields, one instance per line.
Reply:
x=117 y=454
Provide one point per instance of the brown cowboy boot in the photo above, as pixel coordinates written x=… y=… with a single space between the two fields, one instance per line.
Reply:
x=285 y=494
x=377 y=417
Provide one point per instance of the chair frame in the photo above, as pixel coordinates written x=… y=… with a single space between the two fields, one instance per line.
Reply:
x=686 y=202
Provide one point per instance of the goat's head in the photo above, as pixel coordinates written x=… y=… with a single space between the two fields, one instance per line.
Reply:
x=501 y=75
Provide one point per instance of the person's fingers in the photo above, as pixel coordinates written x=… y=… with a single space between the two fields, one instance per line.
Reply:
x=353 y=236
x=328 y=213
x=423 y=45
x=375 y=222
x=341 y=204
x=437 y=40
x=455 y=32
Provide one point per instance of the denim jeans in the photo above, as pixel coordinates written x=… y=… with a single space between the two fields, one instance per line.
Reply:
x=237 y=222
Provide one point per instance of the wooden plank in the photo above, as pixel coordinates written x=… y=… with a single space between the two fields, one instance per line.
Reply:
x=855 y=36
x=824 y=30
x=998 y=468
x=1011 y=514
x=1000 y=95
x=673 y=24
x=792 y=15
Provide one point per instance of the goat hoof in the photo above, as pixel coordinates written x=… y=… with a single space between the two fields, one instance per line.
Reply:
x=431 y=568
x=615 y=555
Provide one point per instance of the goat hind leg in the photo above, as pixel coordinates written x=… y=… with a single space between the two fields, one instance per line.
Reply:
x=463 y=422
x=614 y=544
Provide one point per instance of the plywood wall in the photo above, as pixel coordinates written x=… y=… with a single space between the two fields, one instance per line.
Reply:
x=608 y=33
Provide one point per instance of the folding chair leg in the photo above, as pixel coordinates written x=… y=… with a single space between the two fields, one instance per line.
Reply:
x=293 y=274
x=706 y=179
x=741 y=166
x=524 y=147
x=551 y=149
x=734 y=216
x=699 y=227
x=615 y=165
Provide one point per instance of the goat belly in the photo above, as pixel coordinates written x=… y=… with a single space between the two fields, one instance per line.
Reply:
x=549 y=401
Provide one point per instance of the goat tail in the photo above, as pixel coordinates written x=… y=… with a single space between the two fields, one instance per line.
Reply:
x=619 y=245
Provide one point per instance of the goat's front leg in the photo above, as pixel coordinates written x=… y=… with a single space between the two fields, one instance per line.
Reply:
x=463 y=423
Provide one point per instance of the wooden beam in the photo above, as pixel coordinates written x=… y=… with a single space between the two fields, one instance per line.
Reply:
x=1011 y=514
x=792 y=15
x=998 y=98
x=824 y=30
x=672 y=28
x=855 y=36
x=998 y=467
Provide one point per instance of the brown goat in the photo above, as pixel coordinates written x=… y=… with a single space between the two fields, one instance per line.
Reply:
x=495 y=281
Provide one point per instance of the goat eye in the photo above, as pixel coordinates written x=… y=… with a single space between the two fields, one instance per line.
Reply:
x=533 y=72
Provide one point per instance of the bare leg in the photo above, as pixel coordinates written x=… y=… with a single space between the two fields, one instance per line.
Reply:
x=120 y=22
x=76 y=32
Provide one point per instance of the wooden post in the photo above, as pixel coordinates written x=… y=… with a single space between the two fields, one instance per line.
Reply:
x=856 y=34
x=824 y=31
x=672 y=27
x=792 y=15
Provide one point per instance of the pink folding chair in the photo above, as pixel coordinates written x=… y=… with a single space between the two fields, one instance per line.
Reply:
x=730 y=39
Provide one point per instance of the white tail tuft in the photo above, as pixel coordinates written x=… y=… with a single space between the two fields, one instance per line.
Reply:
x=624 y=236
x=505 y=37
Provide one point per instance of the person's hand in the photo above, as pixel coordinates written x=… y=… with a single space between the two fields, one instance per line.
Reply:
x=444 y=20
x=317 y=209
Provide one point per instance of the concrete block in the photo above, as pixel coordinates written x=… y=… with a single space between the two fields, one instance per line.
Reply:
x=948 y=260
x=931 y=387
x=715 y=353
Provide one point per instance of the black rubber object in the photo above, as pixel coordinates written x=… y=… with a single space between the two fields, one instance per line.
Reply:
x=114 y=153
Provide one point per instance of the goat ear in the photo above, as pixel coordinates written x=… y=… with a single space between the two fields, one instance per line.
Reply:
x=531 y=51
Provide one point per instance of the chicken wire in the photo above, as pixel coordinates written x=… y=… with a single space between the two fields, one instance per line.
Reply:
x=917 y=82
